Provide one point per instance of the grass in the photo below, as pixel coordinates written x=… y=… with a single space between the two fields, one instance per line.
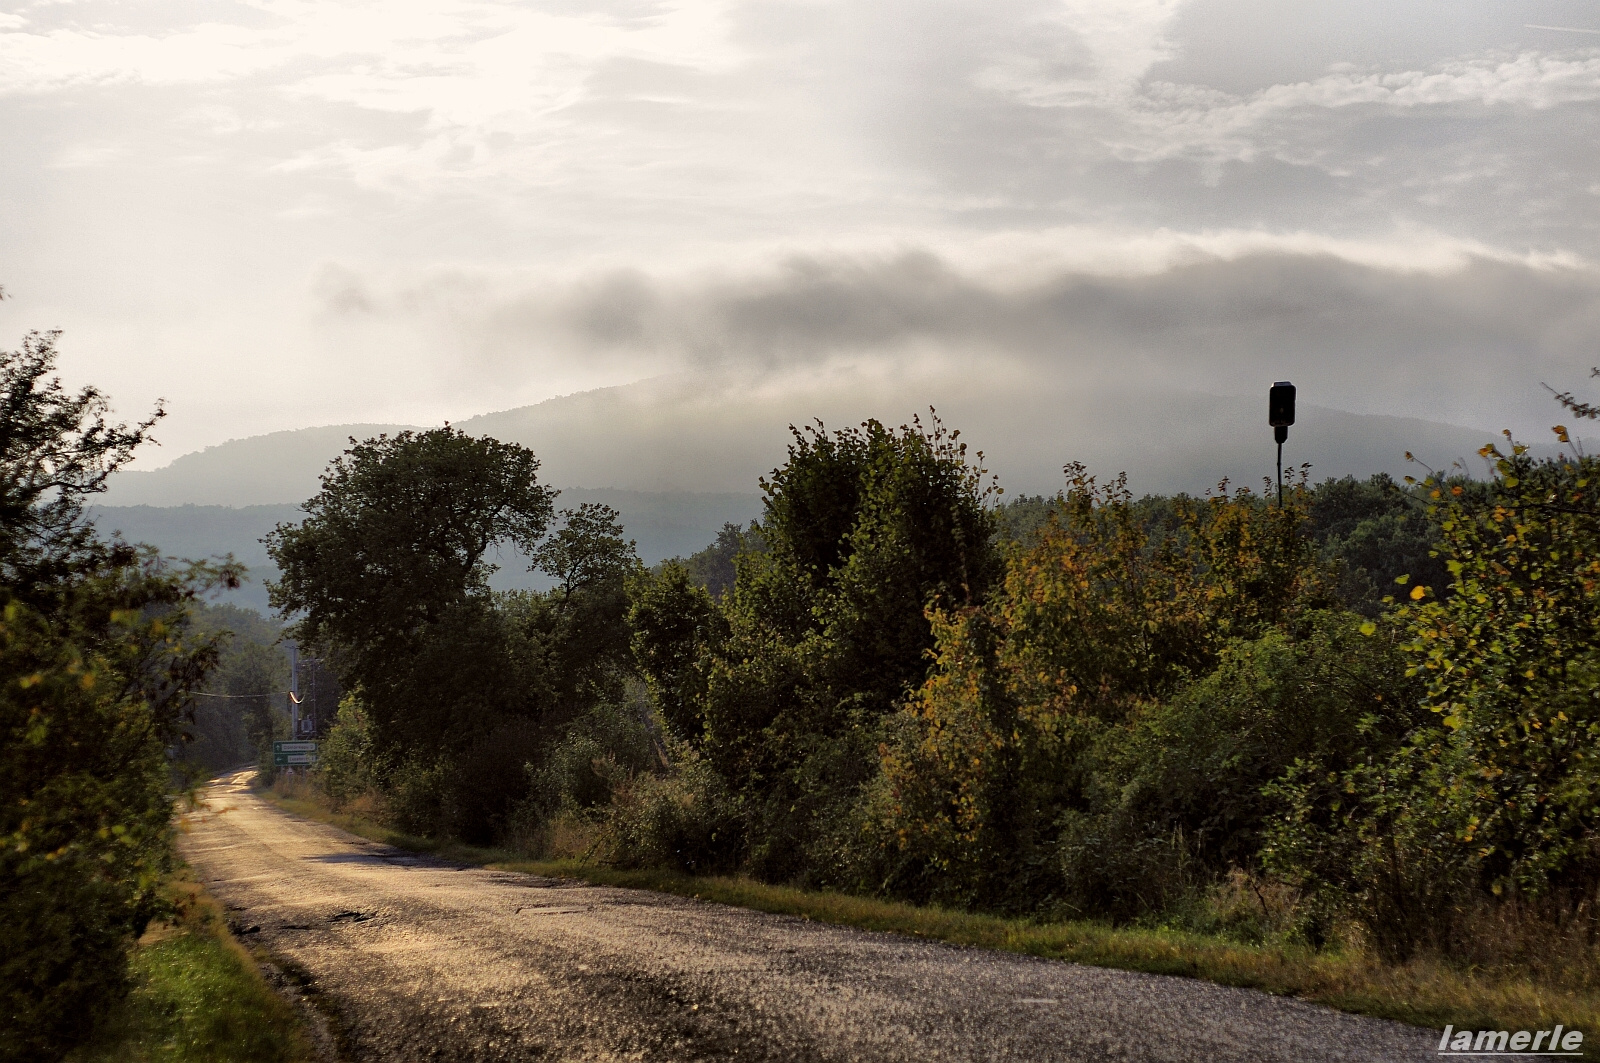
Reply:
x=197 y=997
x=1425 y=992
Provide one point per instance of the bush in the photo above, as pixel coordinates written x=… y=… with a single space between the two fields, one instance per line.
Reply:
x=414 y=796
x=1050 y=759
x=681 y=819
x=1511 y=657
x=348 y=764
x=97 y=667
x=84 y=803
x=1197 y=764
x=1369 y=845
x=599 y=750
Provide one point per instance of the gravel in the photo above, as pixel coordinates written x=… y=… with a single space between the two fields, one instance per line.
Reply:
x=413 y=958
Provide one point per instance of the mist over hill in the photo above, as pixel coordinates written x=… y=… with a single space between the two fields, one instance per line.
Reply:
x=716 y=433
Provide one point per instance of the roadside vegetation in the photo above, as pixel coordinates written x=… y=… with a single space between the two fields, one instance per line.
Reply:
x=1353 y=728
x=1346 y=736
x=1427 y=990
x=106 y=950
x=99 y=658
x=195 y=996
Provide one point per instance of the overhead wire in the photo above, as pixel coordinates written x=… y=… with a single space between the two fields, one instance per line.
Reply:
x=268 y=694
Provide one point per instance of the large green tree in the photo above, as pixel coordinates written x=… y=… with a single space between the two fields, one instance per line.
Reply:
x=865 y=529
x=389 y=572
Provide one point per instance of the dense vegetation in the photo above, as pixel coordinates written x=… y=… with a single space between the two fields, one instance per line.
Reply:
x=1362 y=716
x=98 y=659
x=242 y=707
x=458 y=689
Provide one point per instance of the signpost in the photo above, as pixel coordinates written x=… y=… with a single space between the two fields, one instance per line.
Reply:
x=286 y=754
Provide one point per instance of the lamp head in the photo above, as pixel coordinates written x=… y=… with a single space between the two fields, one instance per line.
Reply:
x=1280 y=408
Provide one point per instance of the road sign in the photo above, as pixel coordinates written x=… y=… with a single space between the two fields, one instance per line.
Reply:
x=286 y=754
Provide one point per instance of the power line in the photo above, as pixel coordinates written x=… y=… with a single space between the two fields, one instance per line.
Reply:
x=268 y=694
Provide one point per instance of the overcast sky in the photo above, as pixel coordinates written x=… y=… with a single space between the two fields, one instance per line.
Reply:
x=293 y=212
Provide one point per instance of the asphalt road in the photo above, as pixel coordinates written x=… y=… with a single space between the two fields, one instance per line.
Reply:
x=418 y=959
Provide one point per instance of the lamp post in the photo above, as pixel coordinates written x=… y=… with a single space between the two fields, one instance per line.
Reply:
x=1280 y=415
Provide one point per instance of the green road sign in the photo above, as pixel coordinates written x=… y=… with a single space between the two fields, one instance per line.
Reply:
x=285 y=754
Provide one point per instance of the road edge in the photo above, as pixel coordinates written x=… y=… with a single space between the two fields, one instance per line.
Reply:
x=1423 y=993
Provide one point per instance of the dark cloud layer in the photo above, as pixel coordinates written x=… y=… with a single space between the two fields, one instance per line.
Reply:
x=1471 y=343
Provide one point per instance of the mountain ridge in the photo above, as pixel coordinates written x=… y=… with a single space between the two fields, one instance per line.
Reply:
x=694 y=434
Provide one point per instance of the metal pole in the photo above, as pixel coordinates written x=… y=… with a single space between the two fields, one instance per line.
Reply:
x=1280 y=415
x=294 y=695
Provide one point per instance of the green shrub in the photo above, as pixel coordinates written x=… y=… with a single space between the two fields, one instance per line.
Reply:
x=1370 y=844
x=681 y=819
x=414 y=796
x=349 y=764
x=1511 y=658
x=597 y=752
x=486 y=780
x=1198 y=763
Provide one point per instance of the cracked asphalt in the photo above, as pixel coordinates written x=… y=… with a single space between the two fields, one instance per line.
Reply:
x=415 y=958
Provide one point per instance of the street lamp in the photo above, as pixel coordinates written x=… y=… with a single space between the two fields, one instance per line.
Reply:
x=1280 y=415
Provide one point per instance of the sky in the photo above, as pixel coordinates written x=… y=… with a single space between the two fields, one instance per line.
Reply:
x=284 y=213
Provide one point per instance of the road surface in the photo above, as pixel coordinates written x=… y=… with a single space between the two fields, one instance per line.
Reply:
x=418 y=959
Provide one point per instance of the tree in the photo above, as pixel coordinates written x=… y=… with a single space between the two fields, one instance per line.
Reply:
x=713 y=568
x=98 y=662
x=398 y=534
x=1376 y=530
x=864 y=528
x=588 y=551
x=580 y=629
x=251 y=675
x=676 y=628
x=56 y=449
x=389 y=572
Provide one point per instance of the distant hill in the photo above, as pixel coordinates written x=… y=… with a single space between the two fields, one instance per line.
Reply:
x=259 y=470
x=702 y=434
x=662 y=524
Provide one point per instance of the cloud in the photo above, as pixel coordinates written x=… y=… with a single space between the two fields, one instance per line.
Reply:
x=1178 y=120
x=626 y=100
x=1454 y=335
x=381 y=210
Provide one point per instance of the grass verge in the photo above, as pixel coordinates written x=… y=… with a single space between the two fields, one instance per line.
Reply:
x=1425 y=992
x=197 y=997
